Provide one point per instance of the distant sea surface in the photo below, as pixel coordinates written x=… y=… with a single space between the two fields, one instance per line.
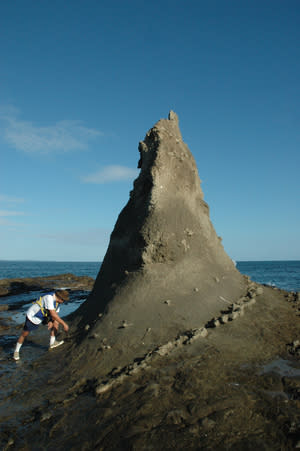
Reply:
x=282 y=274
x=12 y=269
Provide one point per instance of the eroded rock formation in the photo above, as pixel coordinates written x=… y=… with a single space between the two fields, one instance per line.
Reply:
x=173 y=349
x=165 y=270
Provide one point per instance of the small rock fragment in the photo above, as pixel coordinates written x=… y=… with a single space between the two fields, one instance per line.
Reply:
x=93 y=336
x=103 y=388
x=198 y=333
x=46 y=416
x=251 y=302
x=234 y=315
x=207 y=423
x=125 y=324
x=259 y=290
x=224 y=319
x=189 y=232
x=164 y=349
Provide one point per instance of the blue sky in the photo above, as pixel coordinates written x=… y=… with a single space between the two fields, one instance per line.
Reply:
x=81 y=82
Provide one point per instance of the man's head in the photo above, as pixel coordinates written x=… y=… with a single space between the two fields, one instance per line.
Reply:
x=62 y=295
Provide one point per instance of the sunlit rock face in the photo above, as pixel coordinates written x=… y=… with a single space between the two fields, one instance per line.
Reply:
x=165 y=269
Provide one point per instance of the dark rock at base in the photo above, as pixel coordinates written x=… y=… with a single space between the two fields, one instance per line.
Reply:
x=210 y=395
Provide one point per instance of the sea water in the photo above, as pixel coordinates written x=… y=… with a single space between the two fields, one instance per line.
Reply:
x=12 y=269
x=280 y=274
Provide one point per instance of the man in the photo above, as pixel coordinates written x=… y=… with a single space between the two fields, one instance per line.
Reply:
x=45 y=311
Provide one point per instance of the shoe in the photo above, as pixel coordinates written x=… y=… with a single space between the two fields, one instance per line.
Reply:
x=16 y=355
x=56 y=344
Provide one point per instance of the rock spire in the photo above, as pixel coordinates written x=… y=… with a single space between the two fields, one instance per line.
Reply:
x=165 y=269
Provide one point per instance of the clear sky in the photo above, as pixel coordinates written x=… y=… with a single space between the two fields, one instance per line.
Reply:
x=81 y=82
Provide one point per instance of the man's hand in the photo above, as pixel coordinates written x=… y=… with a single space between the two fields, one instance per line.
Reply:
x=55 y=317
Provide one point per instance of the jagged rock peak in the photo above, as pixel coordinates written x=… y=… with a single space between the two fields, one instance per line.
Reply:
x=168 y=168
x=166 y=219
x=173 y=116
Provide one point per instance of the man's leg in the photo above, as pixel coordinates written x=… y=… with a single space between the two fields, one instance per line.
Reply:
x=53 y=327
x=20 y=341
x=28 y=327
x=22 y=337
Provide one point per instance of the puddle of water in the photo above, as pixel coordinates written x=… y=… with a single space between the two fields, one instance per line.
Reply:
x=282 y=367
x=35 y=346
x=13 y=374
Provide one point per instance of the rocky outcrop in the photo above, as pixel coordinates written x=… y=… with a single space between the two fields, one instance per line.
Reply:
x=9 y=287
x=165 y=269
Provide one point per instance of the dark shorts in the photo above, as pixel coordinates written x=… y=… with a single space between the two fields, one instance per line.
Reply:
x=29 y=326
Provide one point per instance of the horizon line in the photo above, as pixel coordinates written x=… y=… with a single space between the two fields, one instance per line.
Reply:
x=100 y=261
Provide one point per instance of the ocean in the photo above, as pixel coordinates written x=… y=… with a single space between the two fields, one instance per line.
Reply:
x=11 y=269
x=281 y=274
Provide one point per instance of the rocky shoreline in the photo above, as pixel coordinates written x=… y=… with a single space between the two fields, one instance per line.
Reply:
x=9 y=287
x=236 y=386
x=11 y=290
x=17 y=293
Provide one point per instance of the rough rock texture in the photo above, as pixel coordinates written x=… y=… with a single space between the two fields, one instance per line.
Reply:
x=165 y=267
x=237 y=388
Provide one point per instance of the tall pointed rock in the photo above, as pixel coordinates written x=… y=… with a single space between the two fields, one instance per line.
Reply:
x=165 y=270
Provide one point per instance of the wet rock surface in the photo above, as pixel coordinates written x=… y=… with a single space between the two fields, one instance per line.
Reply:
x=234 y=388
x=9 y=287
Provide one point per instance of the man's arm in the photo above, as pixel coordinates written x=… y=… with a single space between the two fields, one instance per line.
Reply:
x=55 y=317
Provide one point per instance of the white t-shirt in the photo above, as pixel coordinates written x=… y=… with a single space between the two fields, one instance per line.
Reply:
x=48 y=302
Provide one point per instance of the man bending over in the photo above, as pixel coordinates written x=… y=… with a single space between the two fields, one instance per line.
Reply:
x=44 y=311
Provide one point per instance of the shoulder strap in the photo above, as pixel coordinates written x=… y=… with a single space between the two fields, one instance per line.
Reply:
x=39 y=302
